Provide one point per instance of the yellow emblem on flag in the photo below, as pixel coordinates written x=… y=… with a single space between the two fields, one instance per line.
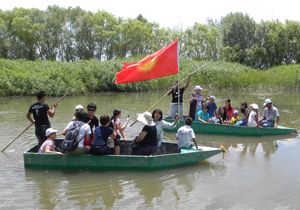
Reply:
x=147 y=66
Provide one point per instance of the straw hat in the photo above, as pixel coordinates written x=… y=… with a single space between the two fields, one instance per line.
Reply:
x=146 y=118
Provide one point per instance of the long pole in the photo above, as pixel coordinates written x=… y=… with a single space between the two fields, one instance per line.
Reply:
x=159 y=100
x=178 y=89
x=29 y=126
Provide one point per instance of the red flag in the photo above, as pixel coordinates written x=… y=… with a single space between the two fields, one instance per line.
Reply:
x=159 y=64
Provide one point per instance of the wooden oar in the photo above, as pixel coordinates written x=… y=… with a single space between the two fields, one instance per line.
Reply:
x=29 y=126
x=159 y=100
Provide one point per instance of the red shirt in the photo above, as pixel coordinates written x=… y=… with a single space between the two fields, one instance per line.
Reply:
x=229 y=113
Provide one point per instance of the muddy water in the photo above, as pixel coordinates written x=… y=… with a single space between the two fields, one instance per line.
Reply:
x=255 y=173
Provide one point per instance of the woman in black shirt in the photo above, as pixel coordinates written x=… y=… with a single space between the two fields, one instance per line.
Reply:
x=146 y=142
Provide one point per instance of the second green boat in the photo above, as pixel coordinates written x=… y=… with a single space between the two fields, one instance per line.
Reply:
x=217 y=129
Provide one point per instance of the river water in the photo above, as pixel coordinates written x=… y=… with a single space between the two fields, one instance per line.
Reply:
x=255 y=173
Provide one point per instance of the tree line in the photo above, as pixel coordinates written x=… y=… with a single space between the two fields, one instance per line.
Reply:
x=71 y=34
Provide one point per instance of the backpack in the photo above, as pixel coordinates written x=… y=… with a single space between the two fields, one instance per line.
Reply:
x=70 y=142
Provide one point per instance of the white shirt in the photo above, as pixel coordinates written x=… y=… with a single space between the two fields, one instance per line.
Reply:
x=160 y=125
x=184 y=136
x=271 y=114
x=251 y=119
x=85 y=129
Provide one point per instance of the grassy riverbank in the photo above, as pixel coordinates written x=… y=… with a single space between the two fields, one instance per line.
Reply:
x=18 y=77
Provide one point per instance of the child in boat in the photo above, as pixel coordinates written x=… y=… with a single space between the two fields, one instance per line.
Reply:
x=117 y=123
x=253 y=116
x=196 y=101
x=245 y=111
x=185 y=135
x=222 y=112
x=49 y=146
x=203 y=115
x=217 y=119
x=235 y=117
x=212 y=107
x=102 y=134
x=118 y=128
x=229 y=109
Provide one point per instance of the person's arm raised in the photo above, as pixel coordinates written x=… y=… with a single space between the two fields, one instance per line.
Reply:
x=51 y=111
x=188 y=82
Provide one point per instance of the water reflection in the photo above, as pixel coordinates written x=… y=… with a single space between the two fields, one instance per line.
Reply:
x=107 y=190
x=246 y=146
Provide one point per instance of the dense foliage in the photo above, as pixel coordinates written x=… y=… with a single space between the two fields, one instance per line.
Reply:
x=20 y=77
x=71 y=34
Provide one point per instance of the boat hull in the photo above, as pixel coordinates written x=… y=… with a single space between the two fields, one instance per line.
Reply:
x=34 y=160
x=216 y=129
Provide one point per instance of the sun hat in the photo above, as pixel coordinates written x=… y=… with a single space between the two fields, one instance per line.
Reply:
x=254 y=106
x=235 y=112
x=49 y=131
x=146 y=118
x=197 y=87
x=78 y=107
x=212 y=97
x=267 y=101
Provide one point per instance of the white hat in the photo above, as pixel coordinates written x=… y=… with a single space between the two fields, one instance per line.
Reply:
x=254 y=106
x=49 y=131
x=146 y=118
x=79 y=107
x=235 y=112
x=267 y=101
x=197 y=87
x=212 y=97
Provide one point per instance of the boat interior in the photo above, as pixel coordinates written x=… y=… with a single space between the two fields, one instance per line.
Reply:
x=166 y=147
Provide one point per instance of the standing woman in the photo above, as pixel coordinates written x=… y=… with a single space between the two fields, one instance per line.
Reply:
x=160 y=124
x=196 y=101
x=175 y=96
x=229 y=109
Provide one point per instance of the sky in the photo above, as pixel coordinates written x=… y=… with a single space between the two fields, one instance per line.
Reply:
x=178 y=14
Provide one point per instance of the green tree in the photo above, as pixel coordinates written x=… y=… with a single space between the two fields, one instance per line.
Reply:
x=238 y=35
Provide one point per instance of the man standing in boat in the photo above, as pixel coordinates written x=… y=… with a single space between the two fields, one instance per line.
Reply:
x=40 y=111
x=175 y=95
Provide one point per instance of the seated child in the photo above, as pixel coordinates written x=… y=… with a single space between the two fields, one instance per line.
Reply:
x=235 y=117
x=212 y=107
x=217 y=119
x=49 y=146
x=100 y=144
x=185 y=135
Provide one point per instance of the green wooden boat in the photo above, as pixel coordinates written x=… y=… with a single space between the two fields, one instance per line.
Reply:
x=169 y=156
x=216 y=129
